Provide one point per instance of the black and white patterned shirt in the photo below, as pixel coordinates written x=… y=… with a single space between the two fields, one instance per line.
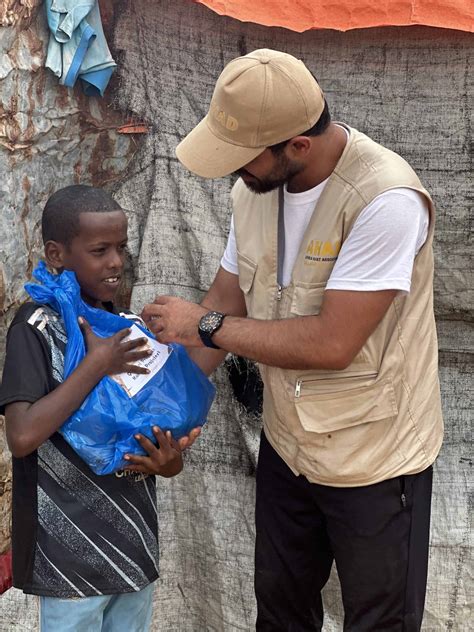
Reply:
x=74 y=534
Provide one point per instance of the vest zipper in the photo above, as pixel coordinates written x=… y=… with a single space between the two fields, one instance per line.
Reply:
x=299 y=382
x=280 y=251
x=298 y=388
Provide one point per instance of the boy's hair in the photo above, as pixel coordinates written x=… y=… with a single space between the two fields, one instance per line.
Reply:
x=60 y=219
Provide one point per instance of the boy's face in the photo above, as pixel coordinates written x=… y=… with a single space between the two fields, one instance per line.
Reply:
x=97 y=255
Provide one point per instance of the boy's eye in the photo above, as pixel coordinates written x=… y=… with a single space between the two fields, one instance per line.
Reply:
x=98 y=251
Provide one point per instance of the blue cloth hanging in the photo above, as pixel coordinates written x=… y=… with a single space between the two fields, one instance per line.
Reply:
x=77 y=46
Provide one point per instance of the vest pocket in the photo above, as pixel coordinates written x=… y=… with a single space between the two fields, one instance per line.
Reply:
x=331 y=405
x=307 y=299
x=247 y=270
x=351 y=435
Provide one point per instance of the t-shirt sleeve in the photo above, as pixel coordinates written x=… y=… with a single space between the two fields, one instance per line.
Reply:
x=229 y=259
x=25 y=373
x=380 y=250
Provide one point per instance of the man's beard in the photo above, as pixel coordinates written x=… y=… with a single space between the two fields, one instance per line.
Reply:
x=283 y=172
x=264 y=185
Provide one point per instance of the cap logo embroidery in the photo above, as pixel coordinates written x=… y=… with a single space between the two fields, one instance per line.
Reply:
x=227 y=121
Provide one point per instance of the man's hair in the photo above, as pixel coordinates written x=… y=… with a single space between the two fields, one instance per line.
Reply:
x=60 y=219
x=318 y=128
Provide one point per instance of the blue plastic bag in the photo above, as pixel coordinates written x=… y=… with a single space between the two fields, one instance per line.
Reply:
x=101 y=431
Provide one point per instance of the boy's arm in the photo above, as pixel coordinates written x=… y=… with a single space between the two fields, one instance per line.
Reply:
x=28 y=425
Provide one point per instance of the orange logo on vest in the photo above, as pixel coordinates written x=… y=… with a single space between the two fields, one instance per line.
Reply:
x=318 y=251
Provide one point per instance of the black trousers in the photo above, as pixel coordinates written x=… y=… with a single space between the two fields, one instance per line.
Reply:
x=377 y=535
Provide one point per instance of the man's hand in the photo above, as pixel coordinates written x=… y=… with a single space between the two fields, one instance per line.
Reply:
x=223 y=296
x=165 y=460
x=173 y=319
x=112 y=355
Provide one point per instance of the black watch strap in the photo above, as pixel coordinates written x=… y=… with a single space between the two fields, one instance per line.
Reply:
x=207 y=340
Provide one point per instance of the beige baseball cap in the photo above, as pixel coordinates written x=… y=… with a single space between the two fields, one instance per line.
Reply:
x=259 y=100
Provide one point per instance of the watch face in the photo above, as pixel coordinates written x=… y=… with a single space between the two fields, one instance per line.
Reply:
x=210 y=321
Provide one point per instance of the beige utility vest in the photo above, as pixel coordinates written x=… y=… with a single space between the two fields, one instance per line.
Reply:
x=381 y=416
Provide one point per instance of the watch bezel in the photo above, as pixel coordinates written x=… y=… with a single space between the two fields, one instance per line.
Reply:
x=208 y=325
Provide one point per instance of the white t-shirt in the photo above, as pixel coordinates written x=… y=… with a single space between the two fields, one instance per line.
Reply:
x=378 y=253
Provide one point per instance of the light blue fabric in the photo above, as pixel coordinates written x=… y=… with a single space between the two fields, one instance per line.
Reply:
x=77 y=46
x=129 y=612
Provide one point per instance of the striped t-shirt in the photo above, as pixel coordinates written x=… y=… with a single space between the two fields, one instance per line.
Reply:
x=74 y=534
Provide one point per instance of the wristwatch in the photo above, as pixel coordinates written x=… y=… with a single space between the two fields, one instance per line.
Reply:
x=208 y=325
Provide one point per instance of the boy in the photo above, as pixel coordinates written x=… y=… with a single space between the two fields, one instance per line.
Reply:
x=86 y=544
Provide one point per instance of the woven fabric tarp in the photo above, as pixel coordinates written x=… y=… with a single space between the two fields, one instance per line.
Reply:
x=406 y=88
x=393 y=84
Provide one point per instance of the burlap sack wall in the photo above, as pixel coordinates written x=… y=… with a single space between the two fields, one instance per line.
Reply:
x=407 y=88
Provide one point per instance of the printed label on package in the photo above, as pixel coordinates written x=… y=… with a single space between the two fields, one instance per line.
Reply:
x=134 y=382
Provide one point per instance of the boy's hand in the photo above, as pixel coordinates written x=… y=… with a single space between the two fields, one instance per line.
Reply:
x=165 y=460
x=188 y=440
x=112 y=355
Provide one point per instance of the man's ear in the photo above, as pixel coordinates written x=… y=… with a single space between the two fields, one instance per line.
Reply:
x=298 y=147
x=54 y=254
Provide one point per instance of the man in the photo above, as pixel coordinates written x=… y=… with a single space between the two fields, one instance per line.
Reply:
x=326 y=282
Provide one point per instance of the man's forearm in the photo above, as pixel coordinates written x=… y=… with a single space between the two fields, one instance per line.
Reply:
x=294 y=343
x=329 y=340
